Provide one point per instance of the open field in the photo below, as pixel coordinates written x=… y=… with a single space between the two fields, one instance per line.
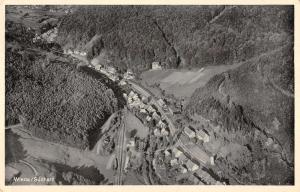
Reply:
x=61 y=154
x=182 y=83
x=29 y=17
x=133 y=123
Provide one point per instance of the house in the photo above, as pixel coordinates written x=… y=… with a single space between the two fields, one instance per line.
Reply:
x=183 y=169
x=162 y=104
x=135 y=97
x=129 y=100
x=113 y=77
x=182 y=158
x=269 y=141
x=142 y=105
x=145 y=99
x=156 y=132
x=174 y=162
x=164 y=132
x=126 y=163
x=161 y=124
x=122 y=82
x=98 y=67
x=131 y=143
x=111 y=70
x=156 y=117
x=83 y=53
x=202 y=135
x=191 y=166
x=212 y=160
x=190 y=132
x=150 y=109
x=148 y=118
x=156 y=66
x=131 y=94
x=176 y=152
x=70 y=51
x=129 y=74
x=143 y=111
x=125 y=95
x=167 y=152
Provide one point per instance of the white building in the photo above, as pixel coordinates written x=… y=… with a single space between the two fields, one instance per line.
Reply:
x=98 y=67
x=174 y=162
x=176 y=152
x=129 y=74
x=164 y=132
x=156 y=66
x=156 y=116
x=202 y=135
x=161 y=124
x=212 y=160
x=183 y=169
x=191 y=133
x=83 y=53
x=191 y=166
x=122 y=82
x=148 y=118
x=161 y=103
x=150 y=109
x=156 y=132
x=111 y=70
x=167 y=153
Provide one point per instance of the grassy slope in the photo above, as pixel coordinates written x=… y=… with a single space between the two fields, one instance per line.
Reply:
x=244 y=100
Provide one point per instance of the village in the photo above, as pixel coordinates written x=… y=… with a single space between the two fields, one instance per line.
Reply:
x=170 y=156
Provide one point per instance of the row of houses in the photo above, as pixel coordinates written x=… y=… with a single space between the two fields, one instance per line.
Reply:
x=200 y=134
x=178 y=158
x=186 y=165
x=109 y=71
x=76 y=52
x=149 y=112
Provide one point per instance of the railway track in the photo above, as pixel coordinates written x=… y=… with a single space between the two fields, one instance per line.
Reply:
x=120 y=153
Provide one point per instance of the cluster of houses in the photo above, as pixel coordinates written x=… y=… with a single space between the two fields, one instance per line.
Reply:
x=110 y=72
x=179 y=158
x=200 y=134
x=48 y=36
x=128 y=75
x=185 y=165
x=148 y=111
x=76 y=52
x=162 y=104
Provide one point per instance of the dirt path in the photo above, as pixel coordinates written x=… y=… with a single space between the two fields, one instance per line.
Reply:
x=104 y=128
x=30 y=166
x=284 y=92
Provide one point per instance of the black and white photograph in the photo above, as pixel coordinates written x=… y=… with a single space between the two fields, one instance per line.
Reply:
x=149 y=95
